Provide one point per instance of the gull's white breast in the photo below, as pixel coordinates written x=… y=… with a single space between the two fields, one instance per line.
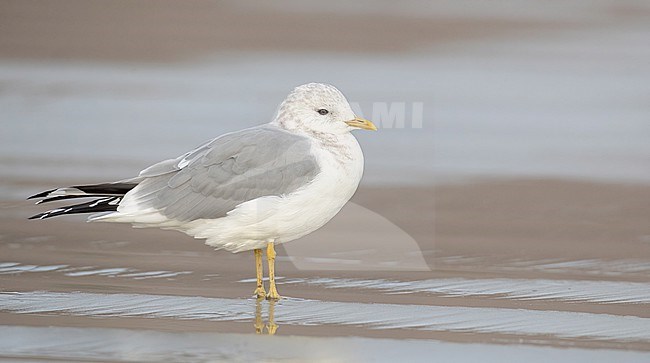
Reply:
x=281 y=219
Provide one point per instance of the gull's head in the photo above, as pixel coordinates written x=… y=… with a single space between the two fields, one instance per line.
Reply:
x=319 y=107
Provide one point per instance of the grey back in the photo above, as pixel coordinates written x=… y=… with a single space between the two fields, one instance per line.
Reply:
x=213 y=179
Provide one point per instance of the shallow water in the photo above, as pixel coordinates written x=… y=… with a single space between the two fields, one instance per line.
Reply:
x=160 y=282
x=146 y=346
x=546 y=324
x=608 y=292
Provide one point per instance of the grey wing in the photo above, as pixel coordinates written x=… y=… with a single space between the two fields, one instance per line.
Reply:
x=213 y=179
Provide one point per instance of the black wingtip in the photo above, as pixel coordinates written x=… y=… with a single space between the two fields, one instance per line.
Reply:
x=103 y=204
x=42 y=194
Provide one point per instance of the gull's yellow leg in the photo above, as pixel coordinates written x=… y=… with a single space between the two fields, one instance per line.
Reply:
x=259 y=291
x=270 y=258
x=272 y=327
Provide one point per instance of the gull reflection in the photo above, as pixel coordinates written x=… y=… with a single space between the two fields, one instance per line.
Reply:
x=270 y=327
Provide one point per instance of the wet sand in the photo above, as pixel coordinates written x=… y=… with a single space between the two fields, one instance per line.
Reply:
x=124 y=31
x=517 y=261
x=503 y=241
x=164 y=31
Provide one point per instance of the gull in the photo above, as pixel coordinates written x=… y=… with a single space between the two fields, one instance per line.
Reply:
x=246 y=190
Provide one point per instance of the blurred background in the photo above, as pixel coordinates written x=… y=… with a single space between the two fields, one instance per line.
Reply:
x=541 y=106
x=513 y=142
x=507 y=88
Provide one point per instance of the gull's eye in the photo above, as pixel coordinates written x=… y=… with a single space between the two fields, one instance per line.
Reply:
x=323 y=111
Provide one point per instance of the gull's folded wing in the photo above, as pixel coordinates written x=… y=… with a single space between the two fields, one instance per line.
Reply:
x=216 y=177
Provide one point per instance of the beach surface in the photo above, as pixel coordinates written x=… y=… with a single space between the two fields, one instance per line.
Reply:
x=538 y=268
x=510 y=220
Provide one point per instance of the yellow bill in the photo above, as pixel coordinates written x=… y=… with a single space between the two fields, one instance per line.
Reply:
x=361 y=123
